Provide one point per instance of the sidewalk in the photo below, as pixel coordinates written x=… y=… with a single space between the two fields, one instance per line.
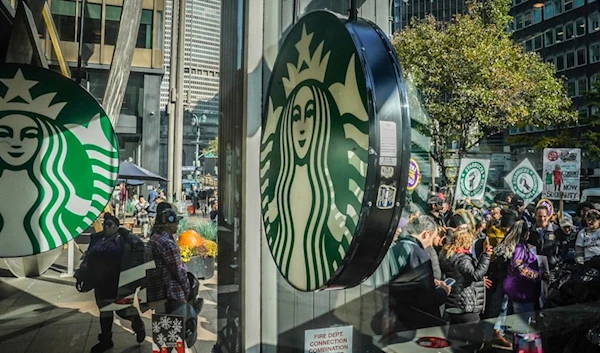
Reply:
x=48 y=315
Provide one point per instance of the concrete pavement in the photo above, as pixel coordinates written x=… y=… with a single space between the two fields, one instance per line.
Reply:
x=47 y=315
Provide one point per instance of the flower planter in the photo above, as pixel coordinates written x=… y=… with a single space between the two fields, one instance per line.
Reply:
x=201 y=267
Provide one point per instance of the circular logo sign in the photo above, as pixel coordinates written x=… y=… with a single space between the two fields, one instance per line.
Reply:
x=315 y=157
x=525 y=183
x=552 y=156
x=58 y=160
x=414 y=175
x=472 y=179
x=548 y=204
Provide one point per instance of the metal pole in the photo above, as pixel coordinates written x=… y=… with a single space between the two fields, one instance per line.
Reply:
x=172 y=98
x=179 y=109
x=80 y=44
x=353 y=10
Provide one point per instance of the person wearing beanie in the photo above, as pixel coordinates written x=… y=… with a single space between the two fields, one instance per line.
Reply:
x=567 y=237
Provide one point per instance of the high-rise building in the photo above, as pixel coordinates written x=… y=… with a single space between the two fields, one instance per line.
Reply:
x=200 y=74
x=405 y=10
x=139 y=120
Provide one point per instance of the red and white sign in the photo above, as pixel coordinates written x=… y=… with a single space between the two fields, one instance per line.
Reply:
x=328 y=340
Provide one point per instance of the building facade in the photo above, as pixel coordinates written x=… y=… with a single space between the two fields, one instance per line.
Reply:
x=566 y=34
x=139 y=122
x=201 y=77
x=405 y=10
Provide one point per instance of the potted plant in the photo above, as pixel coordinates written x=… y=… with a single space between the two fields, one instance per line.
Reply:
x=198 y=253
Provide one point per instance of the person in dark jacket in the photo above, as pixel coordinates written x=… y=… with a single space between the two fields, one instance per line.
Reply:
x=415 y=296
x=466 y=301
x=110 y=252
x=543 y=237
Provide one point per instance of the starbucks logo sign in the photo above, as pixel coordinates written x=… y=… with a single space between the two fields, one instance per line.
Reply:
x=58 y=160
x=472 y=179
x=525 y=183
x=315 y=160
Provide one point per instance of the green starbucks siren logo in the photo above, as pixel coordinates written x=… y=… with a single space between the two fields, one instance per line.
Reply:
x=314 y=153
x=472 y=179
x=58 y=160
x=525 y=182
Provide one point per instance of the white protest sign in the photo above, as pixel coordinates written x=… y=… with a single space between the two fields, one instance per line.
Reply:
x=330 y=340
x=525 y=181
x=472 y=179
x=562 y=169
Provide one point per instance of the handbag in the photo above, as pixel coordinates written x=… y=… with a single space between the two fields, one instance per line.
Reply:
x=83 y=282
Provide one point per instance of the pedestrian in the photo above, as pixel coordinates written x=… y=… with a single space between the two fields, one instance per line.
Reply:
x=141 y=214
x=123 y=197
x=567 y=237
x=214 y=213
x=203 y=198
x=518 y=205
x=152 y=195
x=543 y=237
x=587 y=246
x=435 y=206
x=579 y=222
x=523 y=280
x=496 y=211
x=414 y=290
x=110 y=252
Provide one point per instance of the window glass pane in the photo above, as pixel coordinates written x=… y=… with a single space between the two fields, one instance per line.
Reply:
x=568 y=5
x=581 y=86
x=527 y=19
x=548 y=10
x=537 y=16
x=549 y=38
x=557 y=7
x=570 y=60
x=113 y=18
x=569 y=33
x=580 y=27
x=64 y=14
x=92 y=25
x=560 y=63
x=579 y=3
x=159 y=29
x=594 y=23
x=559 y=34
x=538 y=43
x=571 y=88
x=581 y=56
x=144 y=39
x=518 y=21
x=593 y=83
x=594 y=53
x=529 y=45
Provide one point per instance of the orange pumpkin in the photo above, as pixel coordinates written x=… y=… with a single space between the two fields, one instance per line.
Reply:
x=190 y=238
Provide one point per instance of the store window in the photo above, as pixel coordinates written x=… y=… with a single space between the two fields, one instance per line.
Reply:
x=548 y=10
x=559 y=34
x=569 y=32
x=538 y=42
x=568 y=5
x=144 y=39
x=581 y=56
x=549 y=38
x=594 y=22
x=537 y=16
x=580 y=27
x=92 y=24
x=560 y=62
x=113 y=18
x=595 y=53
x=64 y=13
x=570 y=58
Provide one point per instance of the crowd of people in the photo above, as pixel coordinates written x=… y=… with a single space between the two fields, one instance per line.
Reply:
x=472 y=263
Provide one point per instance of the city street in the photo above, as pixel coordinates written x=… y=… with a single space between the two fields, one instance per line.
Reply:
x=47 y=314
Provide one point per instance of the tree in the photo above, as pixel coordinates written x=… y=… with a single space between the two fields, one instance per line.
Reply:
x=213 y=147
x=475 y=82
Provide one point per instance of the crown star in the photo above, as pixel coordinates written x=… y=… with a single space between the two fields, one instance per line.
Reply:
x=42 y=105
x=303 y=47
x=18 y=87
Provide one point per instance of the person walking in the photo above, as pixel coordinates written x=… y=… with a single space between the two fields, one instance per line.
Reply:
x=141 y=214
x=110 y=252
x=123 y=197
x=152 y=195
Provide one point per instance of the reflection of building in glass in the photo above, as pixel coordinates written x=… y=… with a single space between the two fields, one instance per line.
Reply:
x=200 y=73
x=405 y=10
x=565 y=33
x=138 y=125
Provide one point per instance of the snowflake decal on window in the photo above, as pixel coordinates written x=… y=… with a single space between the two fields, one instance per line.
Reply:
x=165 y=322
x=173 y=336
x=161 y=340
x=177 y=325
x=155 y=327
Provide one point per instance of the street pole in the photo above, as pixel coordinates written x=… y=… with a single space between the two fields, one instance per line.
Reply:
x=80 y=44
x=179 y=109
x=172 y=99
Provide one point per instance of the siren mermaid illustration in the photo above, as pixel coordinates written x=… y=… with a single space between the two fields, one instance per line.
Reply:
x=309 y=226
x=37 y=195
